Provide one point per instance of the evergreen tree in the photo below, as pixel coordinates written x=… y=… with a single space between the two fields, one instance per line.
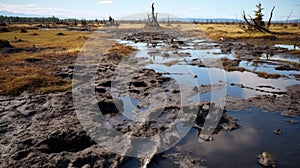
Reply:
x=258 y=19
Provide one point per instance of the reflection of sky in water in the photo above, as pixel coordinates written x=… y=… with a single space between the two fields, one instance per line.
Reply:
x=289 y=47
x=188 y=76
x=184 y=74
x=265 y=68
x=281 y=58
x=239 y=148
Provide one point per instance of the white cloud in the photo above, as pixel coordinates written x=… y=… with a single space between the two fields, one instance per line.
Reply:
x=33 y=9
x=105 y=2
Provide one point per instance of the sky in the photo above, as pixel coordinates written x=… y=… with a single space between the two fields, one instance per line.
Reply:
x=100 y=9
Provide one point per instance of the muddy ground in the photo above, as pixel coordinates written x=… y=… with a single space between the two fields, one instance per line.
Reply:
x=44 y=131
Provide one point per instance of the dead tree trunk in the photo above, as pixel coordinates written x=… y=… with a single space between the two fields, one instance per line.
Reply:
x=152 y=21
x=271 y=15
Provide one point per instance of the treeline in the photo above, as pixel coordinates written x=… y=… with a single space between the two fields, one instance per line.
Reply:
x=17 y=19
x=45 y=20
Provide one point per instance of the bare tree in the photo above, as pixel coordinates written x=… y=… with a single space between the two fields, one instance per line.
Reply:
x=257 y=23
x=270 y=18
x=152 y=20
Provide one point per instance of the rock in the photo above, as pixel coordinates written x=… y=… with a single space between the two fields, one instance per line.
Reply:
x=204 y=137
x=205 y=107
x=60 y=34
x=278 y=132
x=267 y=160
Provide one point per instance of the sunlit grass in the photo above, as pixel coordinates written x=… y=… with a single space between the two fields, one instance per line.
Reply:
x=47 y=38
x=32 y=70
x=120 y=49
x=233 y=31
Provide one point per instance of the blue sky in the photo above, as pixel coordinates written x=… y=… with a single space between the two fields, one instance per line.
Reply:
x=91 y=9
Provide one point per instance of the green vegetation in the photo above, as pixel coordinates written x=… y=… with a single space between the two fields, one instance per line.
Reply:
x=259 y=16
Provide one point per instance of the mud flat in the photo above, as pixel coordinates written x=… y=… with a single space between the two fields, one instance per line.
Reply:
x=46 y=131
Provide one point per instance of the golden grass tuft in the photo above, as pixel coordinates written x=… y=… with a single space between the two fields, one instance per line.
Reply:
x=37 y=83
x=120 y=49
x=171 y=63
x=267 y=75
x=228 y=65
x=32 y=70
x=233 y=31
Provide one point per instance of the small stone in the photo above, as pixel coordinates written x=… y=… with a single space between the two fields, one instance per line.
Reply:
x=267 y=160
x=205 y=107
x=204 y=137
x=209 y=139
x=278 y=132
x=86 y=166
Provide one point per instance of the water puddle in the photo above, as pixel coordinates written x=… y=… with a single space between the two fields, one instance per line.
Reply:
x=179 y=64
x=279 y=57
x=289 y=47
x=239 y=148
x=267 y=67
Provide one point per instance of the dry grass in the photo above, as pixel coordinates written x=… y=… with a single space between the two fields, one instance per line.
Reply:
x=31 y=70
x=47 y=38
x=171 y=63
x=120 y=49
x=37 y=83
x=267 y=75
x=228 y=65
x=233 y=31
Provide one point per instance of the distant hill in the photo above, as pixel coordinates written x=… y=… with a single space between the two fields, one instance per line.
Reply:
x=201 y=20
x=214 y=20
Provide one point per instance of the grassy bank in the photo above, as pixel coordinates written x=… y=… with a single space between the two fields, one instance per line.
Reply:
x=285 y=34
x=30 y=63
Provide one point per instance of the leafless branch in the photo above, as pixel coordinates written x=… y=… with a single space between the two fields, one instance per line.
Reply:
x=271 y=15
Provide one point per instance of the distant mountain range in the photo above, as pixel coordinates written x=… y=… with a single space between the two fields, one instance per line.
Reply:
x=215 y=20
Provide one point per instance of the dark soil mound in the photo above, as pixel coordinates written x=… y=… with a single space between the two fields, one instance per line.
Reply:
x=60 y=34
x=4 y=43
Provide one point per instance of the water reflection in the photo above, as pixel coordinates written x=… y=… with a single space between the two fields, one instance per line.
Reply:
x=240 y=147
x=265 y=67
x=289 y=47
x=177 y=64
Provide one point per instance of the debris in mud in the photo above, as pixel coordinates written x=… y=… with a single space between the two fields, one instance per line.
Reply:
x=23 y=30
x=267 y=160
x=260 y=89
x=288 y=103
x=60 y=34
x=278 y=131
x=153 y=38
x=286 y=68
